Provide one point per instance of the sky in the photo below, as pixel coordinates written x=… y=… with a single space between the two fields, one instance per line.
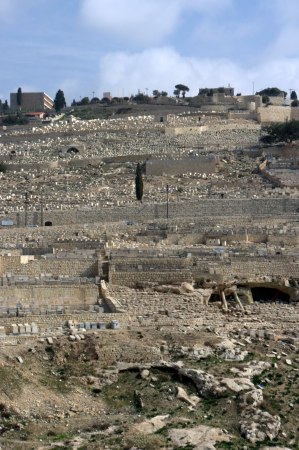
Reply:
x=87 y=47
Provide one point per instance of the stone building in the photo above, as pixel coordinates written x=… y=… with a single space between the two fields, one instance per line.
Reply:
x=32 y=101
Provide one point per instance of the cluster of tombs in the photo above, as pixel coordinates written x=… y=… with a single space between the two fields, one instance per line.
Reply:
x=215 y=225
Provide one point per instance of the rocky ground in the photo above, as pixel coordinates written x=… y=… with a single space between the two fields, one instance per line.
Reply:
x=185 y=389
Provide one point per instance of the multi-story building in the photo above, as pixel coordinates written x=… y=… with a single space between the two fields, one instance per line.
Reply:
x=31 y=101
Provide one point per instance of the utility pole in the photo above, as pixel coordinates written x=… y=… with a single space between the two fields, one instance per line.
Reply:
x=41 y=210
x=167 y=192
x=26 y=208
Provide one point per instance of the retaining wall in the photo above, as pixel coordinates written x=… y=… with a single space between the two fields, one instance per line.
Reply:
x=150 y=211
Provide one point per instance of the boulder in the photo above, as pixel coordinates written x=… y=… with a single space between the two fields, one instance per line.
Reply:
x=145 y=373
x=252 y=398
x=150 y=425
x=206 y=384
x=253 y=368
x=187 y=287
x=237 y=384
x=201 y=437
x=257 y=425
x=182 y=395
x=275 y=448
x=233 y=355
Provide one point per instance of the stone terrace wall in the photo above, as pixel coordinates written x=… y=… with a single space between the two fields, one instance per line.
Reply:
x=175 y=167
x=294 y=113
x=245 y=268
x=274 y=114
x=39 y=299
x=75 y=267
x=131 y=278
x=151 y=211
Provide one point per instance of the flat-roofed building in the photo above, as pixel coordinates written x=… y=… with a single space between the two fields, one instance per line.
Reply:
x=32 y=101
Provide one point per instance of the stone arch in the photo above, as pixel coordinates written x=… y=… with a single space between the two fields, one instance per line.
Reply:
x=48 y=223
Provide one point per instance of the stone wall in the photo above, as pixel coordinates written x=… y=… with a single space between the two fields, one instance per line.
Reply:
x=253 y=268
x=274 y=114
x=131 y=278
x=201 y=165
x=175 y=131
x=151 y=211
x=295 y=113
x=54 y=267
x=42 y=299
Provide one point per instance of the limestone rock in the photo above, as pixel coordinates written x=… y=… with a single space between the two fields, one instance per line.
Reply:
x=201 y=437
x=145 y=373
x=253 y=368
x=225 y=344
x=202 y=352
x=182 y=395
x=275 y=448
x=252 y=398
x=187 y=287
x=151 y=425
x=206 y=383
x=237 y=384
x=233 y=355
x=257 y=425
x=204 y=294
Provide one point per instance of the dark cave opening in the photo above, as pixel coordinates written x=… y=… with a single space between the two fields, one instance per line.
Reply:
x=269 y=295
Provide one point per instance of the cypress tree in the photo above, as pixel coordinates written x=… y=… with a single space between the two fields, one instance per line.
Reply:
x=139 y=183
x=59 y=101
x=19 y=97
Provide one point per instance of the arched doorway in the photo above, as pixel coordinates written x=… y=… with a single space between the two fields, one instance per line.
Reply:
x=48 y=223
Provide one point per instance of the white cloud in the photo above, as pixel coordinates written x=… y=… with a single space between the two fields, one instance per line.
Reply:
x=139 y=21
x=284 y=20
x=143 y=22
x=162 y=68
x=280 y=72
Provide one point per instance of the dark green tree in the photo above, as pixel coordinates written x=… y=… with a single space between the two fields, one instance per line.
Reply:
x=106 y=101
x=265 y=99
x=272 y=92
x=139 y=183
x=19 y=97
x=293 y=95
x=141 y=98
x=94 y=100
x=85 y=101
x=59 y=101
x=281 y=132
x=182 y=88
